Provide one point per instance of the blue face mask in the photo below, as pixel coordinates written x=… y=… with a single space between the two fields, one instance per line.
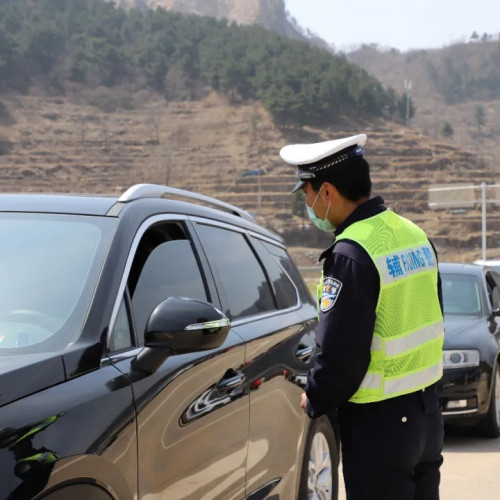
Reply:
x=323 y=224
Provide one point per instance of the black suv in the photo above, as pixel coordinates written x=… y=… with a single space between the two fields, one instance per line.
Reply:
x=153 y=348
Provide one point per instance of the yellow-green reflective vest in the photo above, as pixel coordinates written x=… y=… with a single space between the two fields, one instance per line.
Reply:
x=407 y=345
x=319 y=292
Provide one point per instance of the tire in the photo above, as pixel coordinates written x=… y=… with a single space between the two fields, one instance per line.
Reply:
x=319 y=475
x=490 y=424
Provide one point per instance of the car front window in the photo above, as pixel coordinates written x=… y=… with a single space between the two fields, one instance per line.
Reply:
x=49 y=266
x=460 y=294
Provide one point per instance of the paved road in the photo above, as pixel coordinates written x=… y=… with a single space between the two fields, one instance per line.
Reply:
x=471 y=468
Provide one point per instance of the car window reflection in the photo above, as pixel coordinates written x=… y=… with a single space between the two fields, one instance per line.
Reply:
x=48 y=267
x=461 y=294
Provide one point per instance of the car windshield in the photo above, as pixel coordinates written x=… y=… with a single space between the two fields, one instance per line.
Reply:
x=49 y=266
x=461 y=294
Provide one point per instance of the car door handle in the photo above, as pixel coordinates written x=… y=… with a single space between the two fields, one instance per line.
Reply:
x=231 y=379
x=304 y=353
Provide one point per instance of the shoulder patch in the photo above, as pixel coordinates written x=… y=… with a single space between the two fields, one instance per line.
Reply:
x=330 y=293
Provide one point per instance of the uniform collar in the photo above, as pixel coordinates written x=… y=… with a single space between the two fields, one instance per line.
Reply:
x=369 y=208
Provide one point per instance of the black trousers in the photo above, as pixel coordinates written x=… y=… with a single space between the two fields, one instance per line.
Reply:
x=392 y=450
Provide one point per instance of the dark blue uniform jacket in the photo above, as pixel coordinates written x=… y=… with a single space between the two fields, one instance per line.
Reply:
x=345 y=330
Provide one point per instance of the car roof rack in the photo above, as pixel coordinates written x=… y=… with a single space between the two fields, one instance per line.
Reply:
x=139 y=191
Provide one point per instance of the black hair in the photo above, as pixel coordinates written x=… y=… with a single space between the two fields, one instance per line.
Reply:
x=350 y=177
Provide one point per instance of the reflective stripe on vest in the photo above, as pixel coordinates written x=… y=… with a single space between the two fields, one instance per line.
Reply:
x=394 y=347
x=402 y=385
x=406 y=350
x=319 y=293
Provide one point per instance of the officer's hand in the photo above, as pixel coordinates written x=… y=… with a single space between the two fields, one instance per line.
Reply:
x=303 y=402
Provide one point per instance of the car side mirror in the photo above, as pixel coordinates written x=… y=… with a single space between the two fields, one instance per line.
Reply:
x=179 y=325
x=495 y=312
x=186 y=325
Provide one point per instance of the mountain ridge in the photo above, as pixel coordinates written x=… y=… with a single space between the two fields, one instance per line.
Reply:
x=270 y=14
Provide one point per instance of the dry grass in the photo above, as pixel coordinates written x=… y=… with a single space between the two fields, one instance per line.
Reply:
x=66 y=145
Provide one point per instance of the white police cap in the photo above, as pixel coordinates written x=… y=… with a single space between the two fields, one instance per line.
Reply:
x=307 y=157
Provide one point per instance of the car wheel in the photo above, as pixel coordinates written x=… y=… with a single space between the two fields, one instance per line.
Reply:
x=490 y=425
x=319 y=478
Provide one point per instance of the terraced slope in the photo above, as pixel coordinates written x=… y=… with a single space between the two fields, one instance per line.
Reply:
x=214 y=149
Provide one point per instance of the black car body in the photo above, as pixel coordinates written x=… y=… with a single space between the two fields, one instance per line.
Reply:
x=152 y=348
x=470 y=388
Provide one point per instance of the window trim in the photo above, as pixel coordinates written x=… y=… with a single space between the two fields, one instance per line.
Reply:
x=239 y=229
x=116 y=356
x=128 y=265
x=258 y=317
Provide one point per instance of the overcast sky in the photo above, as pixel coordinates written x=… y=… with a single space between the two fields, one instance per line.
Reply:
x=401 y=24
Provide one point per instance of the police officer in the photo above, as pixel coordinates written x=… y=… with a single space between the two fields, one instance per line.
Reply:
x=380 y=334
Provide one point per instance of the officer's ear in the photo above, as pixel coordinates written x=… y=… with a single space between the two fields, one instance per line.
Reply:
x=330 y=190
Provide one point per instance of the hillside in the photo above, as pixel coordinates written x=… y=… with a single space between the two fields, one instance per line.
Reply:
x=66 y=48
x=58 y=144
x=94 y=99
x=455 y=89
x=448 y=85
